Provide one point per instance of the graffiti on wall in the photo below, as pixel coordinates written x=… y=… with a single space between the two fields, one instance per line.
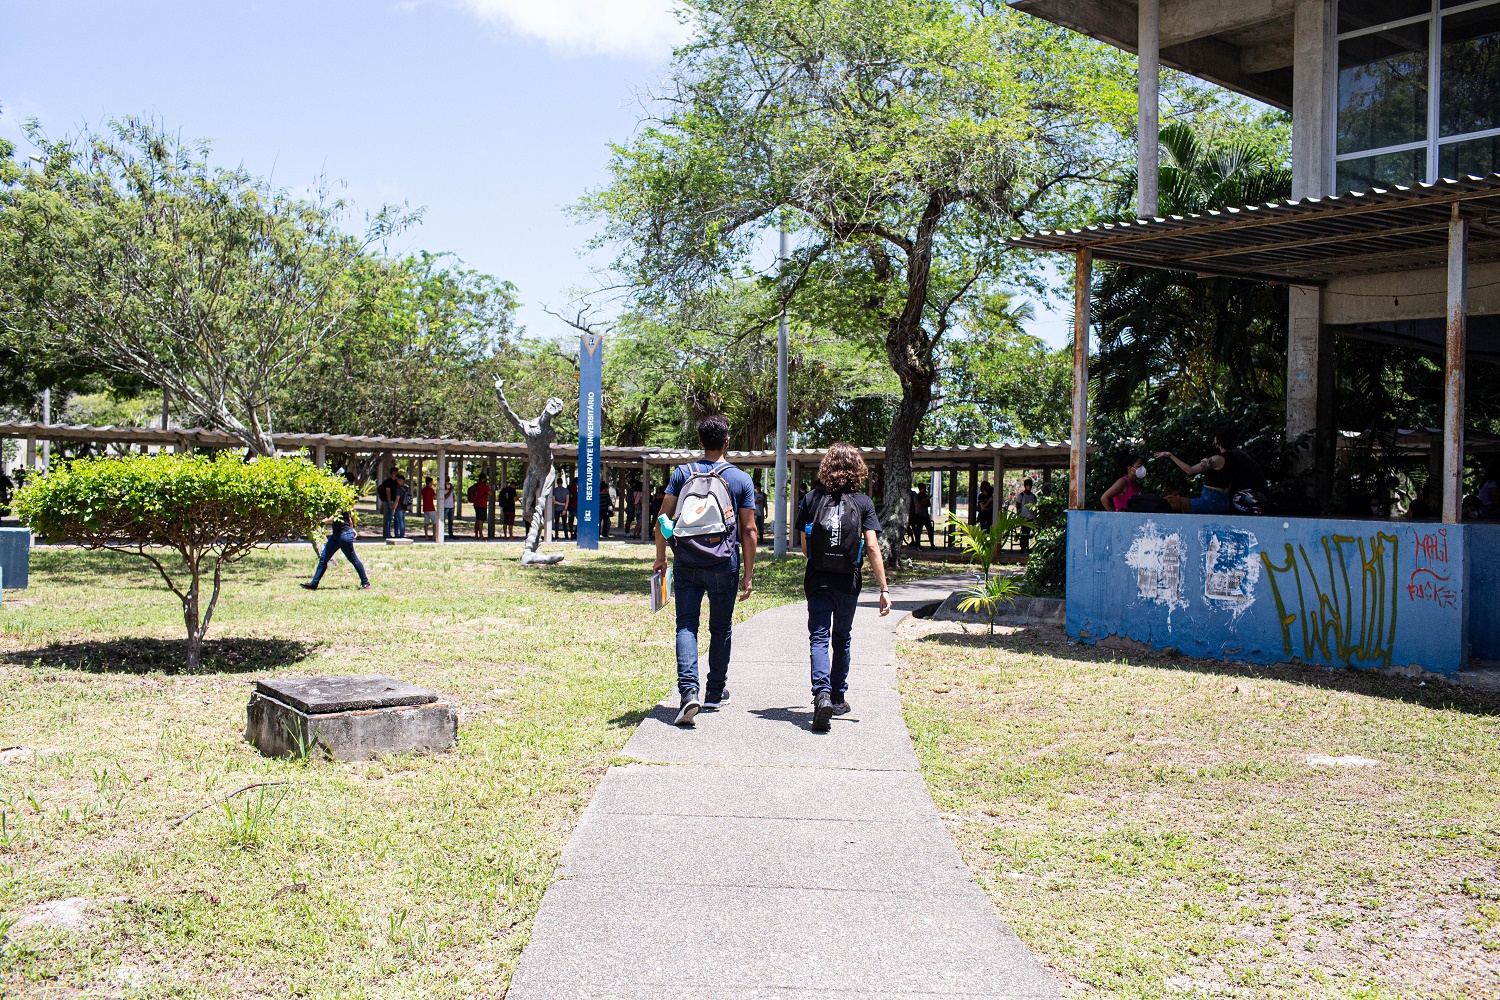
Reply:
x=1341 y=601
x=1230 y=568
x=1432 y=579
x=1157 y=561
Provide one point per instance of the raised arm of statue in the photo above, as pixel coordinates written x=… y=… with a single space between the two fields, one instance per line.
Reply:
x=505 y=407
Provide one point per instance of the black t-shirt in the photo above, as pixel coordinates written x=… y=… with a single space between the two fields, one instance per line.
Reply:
x=387 y=490
x=814 y=580
x=507 y=497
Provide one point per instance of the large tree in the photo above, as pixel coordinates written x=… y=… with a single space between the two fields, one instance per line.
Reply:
x=902 y=140
x=129 y=252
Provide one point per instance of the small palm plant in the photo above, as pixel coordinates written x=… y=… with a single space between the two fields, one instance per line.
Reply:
x=982 y=545
x=989 y=596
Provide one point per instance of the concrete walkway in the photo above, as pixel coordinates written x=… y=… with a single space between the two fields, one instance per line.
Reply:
x=755 y=858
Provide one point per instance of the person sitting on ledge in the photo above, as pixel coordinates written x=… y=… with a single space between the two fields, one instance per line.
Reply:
x=1225 y=476
x=1132 y=471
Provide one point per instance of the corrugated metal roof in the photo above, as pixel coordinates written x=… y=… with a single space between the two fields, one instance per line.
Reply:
x=1302 y=241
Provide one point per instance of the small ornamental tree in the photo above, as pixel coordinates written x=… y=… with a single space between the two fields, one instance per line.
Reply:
x=210 y=511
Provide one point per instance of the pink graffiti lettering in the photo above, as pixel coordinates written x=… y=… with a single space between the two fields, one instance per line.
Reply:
x=1432 y=590
x=1428 y=582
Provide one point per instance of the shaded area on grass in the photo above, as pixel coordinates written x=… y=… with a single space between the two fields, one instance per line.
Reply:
x=1350 y=680
x=168 y=656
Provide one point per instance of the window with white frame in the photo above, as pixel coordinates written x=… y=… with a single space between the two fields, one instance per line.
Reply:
x=1418 y=91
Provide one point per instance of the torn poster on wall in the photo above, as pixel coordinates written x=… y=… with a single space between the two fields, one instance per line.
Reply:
x=1231 y=567
x=1157 y=561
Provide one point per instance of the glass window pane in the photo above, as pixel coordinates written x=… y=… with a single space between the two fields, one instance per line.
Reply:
x=1382 y=171
x=1480 y=157
x=1355 y=14
x=1383 y=89
x=1469 y=98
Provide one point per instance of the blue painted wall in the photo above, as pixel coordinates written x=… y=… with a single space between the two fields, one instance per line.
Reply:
x=15 y=557
x=1266 y=590
x=1484 y=590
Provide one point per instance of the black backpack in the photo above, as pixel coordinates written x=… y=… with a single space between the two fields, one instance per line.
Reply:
x=835 y=536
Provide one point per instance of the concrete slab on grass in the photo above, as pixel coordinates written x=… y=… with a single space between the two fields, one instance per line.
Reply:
x=758 y=859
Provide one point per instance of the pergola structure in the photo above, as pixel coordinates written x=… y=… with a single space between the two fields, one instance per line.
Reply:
x=1322 y=243
x=647 y=462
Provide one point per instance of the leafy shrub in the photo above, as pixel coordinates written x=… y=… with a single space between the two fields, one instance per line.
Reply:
x=211 y=511
x=1047 y=564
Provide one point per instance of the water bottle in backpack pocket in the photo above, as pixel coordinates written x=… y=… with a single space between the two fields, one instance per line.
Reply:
x=705 y=531
x=835 y=535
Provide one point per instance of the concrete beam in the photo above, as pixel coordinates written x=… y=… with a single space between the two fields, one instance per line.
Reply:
x=1266 y=58
x=1186 y=20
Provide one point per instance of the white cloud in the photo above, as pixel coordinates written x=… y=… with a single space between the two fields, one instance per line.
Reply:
x=643 y=28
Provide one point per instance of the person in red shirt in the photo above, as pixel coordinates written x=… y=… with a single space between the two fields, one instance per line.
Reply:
x=429 y=508
x=479 y=496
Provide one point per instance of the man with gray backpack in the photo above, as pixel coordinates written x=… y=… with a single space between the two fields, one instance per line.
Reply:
x=710 y=507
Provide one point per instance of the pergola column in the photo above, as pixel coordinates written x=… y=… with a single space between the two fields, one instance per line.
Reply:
x=320 y=455
x=442 y=487
x=1148 y=84
x=494 y=498
x=1079 y=447
x=30 y=455
x=974 y=493
x=1453 y=370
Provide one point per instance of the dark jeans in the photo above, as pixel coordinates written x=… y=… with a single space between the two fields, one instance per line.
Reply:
x=400 y=523
x=691 y=585
x=447 y=522
x=340 y=540
x=390 y=520
x=830 y=619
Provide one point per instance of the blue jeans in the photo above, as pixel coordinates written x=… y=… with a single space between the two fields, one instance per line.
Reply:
x=340 y=540
x=690 y=585
x=447 y=522
x=1211 y=501
x=830 y=619
x=390 y=519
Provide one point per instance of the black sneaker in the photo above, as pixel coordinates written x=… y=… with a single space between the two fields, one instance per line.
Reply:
x=822 y=712
x=308 y=586
x=841 y=707
x=689 y=709
x=715 y=699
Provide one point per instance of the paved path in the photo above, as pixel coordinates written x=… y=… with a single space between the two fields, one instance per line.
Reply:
x=754 y=858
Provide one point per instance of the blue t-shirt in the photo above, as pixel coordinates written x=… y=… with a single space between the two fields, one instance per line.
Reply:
x=741 y=491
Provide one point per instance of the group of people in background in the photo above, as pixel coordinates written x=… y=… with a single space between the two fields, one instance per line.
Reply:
x=393 y=501
x=987 y=503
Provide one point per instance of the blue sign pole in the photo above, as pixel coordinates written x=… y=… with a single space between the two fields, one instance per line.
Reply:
x=590 y=418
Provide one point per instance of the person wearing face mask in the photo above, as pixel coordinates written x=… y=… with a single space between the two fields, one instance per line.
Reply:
x=1132 y=472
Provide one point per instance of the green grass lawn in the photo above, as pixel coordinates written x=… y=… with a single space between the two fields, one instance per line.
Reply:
x=1152 y=827
x=408 y=877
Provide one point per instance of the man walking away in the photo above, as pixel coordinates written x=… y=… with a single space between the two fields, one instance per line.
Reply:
x=479 y=496
x=340 y=538
x=713 y=504
x=838 y=528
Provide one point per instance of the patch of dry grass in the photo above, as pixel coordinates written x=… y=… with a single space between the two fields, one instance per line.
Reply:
x=1151 y=826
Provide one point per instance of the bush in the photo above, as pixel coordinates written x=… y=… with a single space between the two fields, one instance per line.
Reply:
x=1047 y=564
x=211 y=511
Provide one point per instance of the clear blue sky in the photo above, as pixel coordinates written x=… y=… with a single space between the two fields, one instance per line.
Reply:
x=493 y=115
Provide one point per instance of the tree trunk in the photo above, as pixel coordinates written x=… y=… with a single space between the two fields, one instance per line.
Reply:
x=190 y=619
x=916 y=395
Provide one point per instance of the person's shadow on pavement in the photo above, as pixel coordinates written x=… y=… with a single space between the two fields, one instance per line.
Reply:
x=801 y=717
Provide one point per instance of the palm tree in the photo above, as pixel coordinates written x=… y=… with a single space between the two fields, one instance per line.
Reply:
x=1166 y=336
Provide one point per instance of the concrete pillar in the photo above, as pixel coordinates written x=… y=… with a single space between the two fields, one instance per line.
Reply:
x=1312 y=98
x=935 y=488
x=1454 y=369
x=1082 y=275
x=441 y=486
x=494 y=497
x=952 y=504
x=320 y=456
x=30 y=455
x=1148 y=83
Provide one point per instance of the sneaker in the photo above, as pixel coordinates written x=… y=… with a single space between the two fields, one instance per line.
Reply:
x=308 y=586
x=715 y=699
x=364 y=586
x=841 y=707
x=822 y=712
x=690 y=707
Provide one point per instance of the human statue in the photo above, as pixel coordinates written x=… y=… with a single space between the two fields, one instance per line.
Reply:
x=539 y=473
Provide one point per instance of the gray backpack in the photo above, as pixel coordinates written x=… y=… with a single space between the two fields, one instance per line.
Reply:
x=706 y=529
